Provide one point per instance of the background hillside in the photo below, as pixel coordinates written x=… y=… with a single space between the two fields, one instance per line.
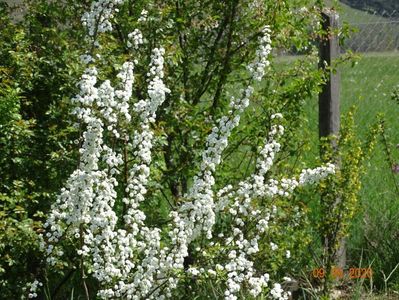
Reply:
x=379 y=6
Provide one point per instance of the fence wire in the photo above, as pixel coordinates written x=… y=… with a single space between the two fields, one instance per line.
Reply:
x=375 y=37
x=374 y=77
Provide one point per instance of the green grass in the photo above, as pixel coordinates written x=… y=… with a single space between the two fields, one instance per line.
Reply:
x=368 y=86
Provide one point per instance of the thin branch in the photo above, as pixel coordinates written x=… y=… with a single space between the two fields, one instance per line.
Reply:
x=82 y=269
x=206 y=75
x=182 y=43
x=227 y=58
x=63 y=281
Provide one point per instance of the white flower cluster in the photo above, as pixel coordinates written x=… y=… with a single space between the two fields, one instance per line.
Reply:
x=135 y=39
x=239 y=204
x=198 y=213
x=86 y=59
x=257 y=68
x=112 y=103
x=142 y=140
x=33 y=289
x=156 y=88
x=137 y=280
x=199 y=210
x=97 y=20
x=278 y=293
x=143 y=16
x=125 y=92
x=310 y=176
x=84 y=209
x=85 y=204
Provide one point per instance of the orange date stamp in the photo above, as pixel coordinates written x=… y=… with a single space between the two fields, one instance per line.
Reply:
x=339 y=273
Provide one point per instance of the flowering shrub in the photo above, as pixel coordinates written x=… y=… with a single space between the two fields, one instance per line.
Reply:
x=219 y=226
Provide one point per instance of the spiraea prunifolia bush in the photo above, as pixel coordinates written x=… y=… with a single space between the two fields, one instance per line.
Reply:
x=100 y=211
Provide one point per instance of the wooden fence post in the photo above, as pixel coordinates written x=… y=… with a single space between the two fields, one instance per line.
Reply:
x=329 y=116
x=329 y=97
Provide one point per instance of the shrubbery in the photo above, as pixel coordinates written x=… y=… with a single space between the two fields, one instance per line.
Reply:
x=150 y=187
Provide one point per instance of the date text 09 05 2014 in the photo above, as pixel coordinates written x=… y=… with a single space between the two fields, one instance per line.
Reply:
x=338 y=273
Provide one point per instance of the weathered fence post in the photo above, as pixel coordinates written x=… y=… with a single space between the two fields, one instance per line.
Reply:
x=329 y=98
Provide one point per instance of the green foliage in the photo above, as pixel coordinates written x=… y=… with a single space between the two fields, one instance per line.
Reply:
x=37 y=75
x=395 y=95
x=17 y=237
x=340 y=194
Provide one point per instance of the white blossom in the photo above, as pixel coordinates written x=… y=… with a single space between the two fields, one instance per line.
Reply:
x=257 y=68
x=278 y=293
x=33 y=289
x=135 y=39
x=143 y=16
x=98 y=19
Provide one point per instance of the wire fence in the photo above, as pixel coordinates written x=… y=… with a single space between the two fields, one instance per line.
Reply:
x=378 y=34
x=375 y=75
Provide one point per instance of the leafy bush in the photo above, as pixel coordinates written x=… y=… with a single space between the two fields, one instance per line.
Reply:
x=208 y=46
